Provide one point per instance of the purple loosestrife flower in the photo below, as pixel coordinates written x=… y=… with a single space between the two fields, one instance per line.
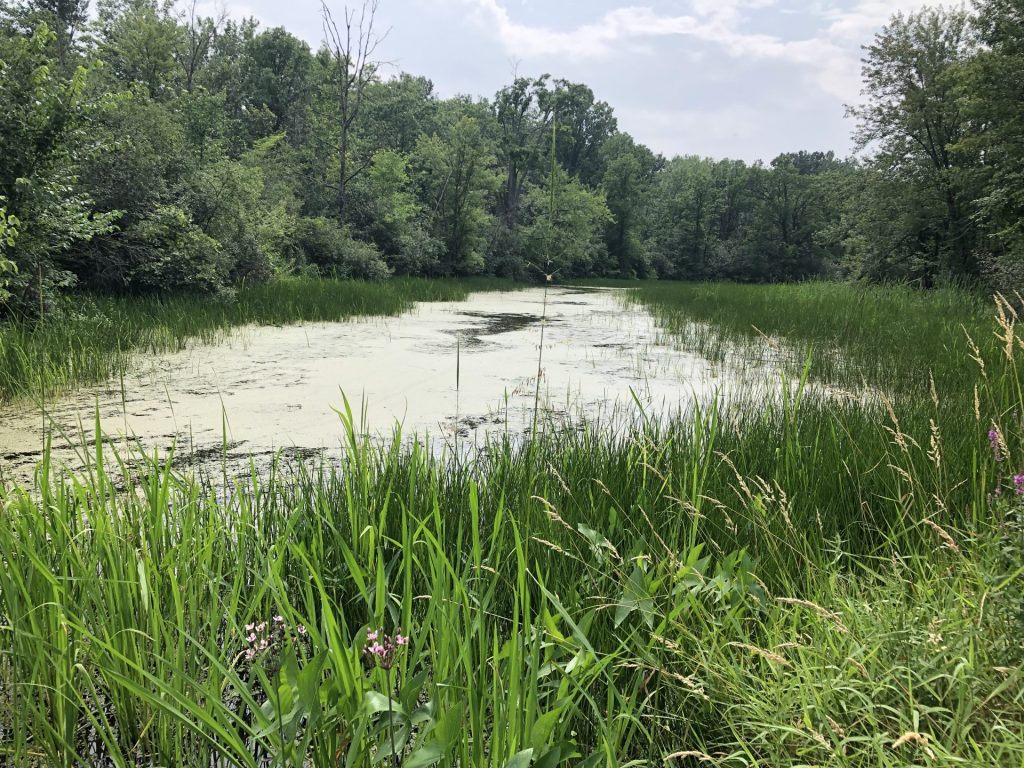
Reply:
x=995 y=441
x=1018 y=484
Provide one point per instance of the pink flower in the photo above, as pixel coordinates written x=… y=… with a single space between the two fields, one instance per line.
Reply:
x=371 y=637
x=251 y=638
x=1018 y=484
x=250 y=653
x=301 y=629
x=249 y=627
x=401 y=640
x=261 y=626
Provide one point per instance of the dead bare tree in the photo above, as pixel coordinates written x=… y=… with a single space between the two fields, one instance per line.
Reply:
x=351 y=44
x=200 y=33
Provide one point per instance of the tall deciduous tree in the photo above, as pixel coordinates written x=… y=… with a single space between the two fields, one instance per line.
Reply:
x=457 y=173
x=996 y=106
x=351 y=45
x=521 y=142
x=914 y=122
x=42 y=143
x=65 y=18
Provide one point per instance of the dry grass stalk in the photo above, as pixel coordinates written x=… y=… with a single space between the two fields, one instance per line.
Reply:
x=552 y=512
x=858 y=666
x=921 y=739
x=935 y=444
x=823 y=612
x=549 y=544
x=763 y=653
x=947 y=540
x=701 y=756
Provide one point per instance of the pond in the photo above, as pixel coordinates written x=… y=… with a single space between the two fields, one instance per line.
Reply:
x=454 y=370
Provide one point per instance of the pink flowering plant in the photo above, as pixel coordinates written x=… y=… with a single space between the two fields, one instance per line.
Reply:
x=349 y=700
x=268 y=637
x=384 y=651
x=284 y=676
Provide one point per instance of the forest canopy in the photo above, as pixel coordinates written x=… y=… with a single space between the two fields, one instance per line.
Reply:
x=145 y=148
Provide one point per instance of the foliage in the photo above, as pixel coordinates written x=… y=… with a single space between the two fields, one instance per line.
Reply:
x=456 y=172
x=778 y=583
x=8 y=235
x=41 y=139
x=115 y=120
x=914 y=114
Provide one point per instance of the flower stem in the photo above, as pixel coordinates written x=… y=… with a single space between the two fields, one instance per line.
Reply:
x=391 y=720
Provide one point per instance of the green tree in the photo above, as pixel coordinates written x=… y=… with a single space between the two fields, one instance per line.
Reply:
x=140 y=41
x=996 y=107
x=915 y=123
x=66 y=18
x=277 y=71
x=564 y=233
x=630 y=171
x=521 y=142
x=397 y=112
x=457 y=176
x=685 y=208
x=584 y=126
x=44 y=138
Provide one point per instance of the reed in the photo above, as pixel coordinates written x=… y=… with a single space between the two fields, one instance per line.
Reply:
x=803 y=582
x=96 y=338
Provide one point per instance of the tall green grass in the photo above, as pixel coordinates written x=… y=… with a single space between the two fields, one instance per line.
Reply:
x=887 y=336
x=808 y=582
x=91 y=339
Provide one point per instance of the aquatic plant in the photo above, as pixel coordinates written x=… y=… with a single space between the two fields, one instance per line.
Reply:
x=820 y=581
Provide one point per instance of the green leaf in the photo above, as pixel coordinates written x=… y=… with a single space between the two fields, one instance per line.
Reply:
x=635 y=597
x=549 y=759
x=374 y=702
x=540 y=734
x=428 y=754
x=520 y=759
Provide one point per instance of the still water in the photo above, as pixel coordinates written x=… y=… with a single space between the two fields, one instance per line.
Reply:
x=453 y=370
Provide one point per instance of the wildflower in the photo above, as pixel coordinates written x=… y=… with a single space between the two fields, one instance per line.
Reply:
x=995 y=440
x=279 y=620
x=382 y=649
x=249 y=654
x=250 y=627
x=251 y=638
x=301 y=629
x=1018 y=484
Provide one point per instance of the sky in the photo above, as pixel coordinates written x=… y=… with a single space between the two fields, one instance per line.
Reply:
x=744 y=79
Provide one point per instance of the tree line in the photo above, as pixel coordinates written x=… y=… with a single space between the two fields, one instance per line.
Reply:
x=147 y=149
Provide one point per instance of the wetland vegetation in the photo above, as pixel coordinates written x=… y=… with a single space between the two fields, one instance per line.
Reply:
x=823 y=568
x=820 y=581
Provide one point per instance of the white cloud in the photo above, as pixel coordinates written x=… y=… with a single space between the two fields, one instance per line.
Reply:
x=715 y=22
x=859 y=23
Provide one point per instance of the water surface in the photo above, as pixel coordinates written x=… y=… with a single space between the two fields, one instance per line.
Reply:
x=455 y=370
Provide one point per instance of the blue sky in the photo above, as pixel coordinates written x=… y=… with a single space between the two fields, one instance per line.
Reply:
x=722 y=78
